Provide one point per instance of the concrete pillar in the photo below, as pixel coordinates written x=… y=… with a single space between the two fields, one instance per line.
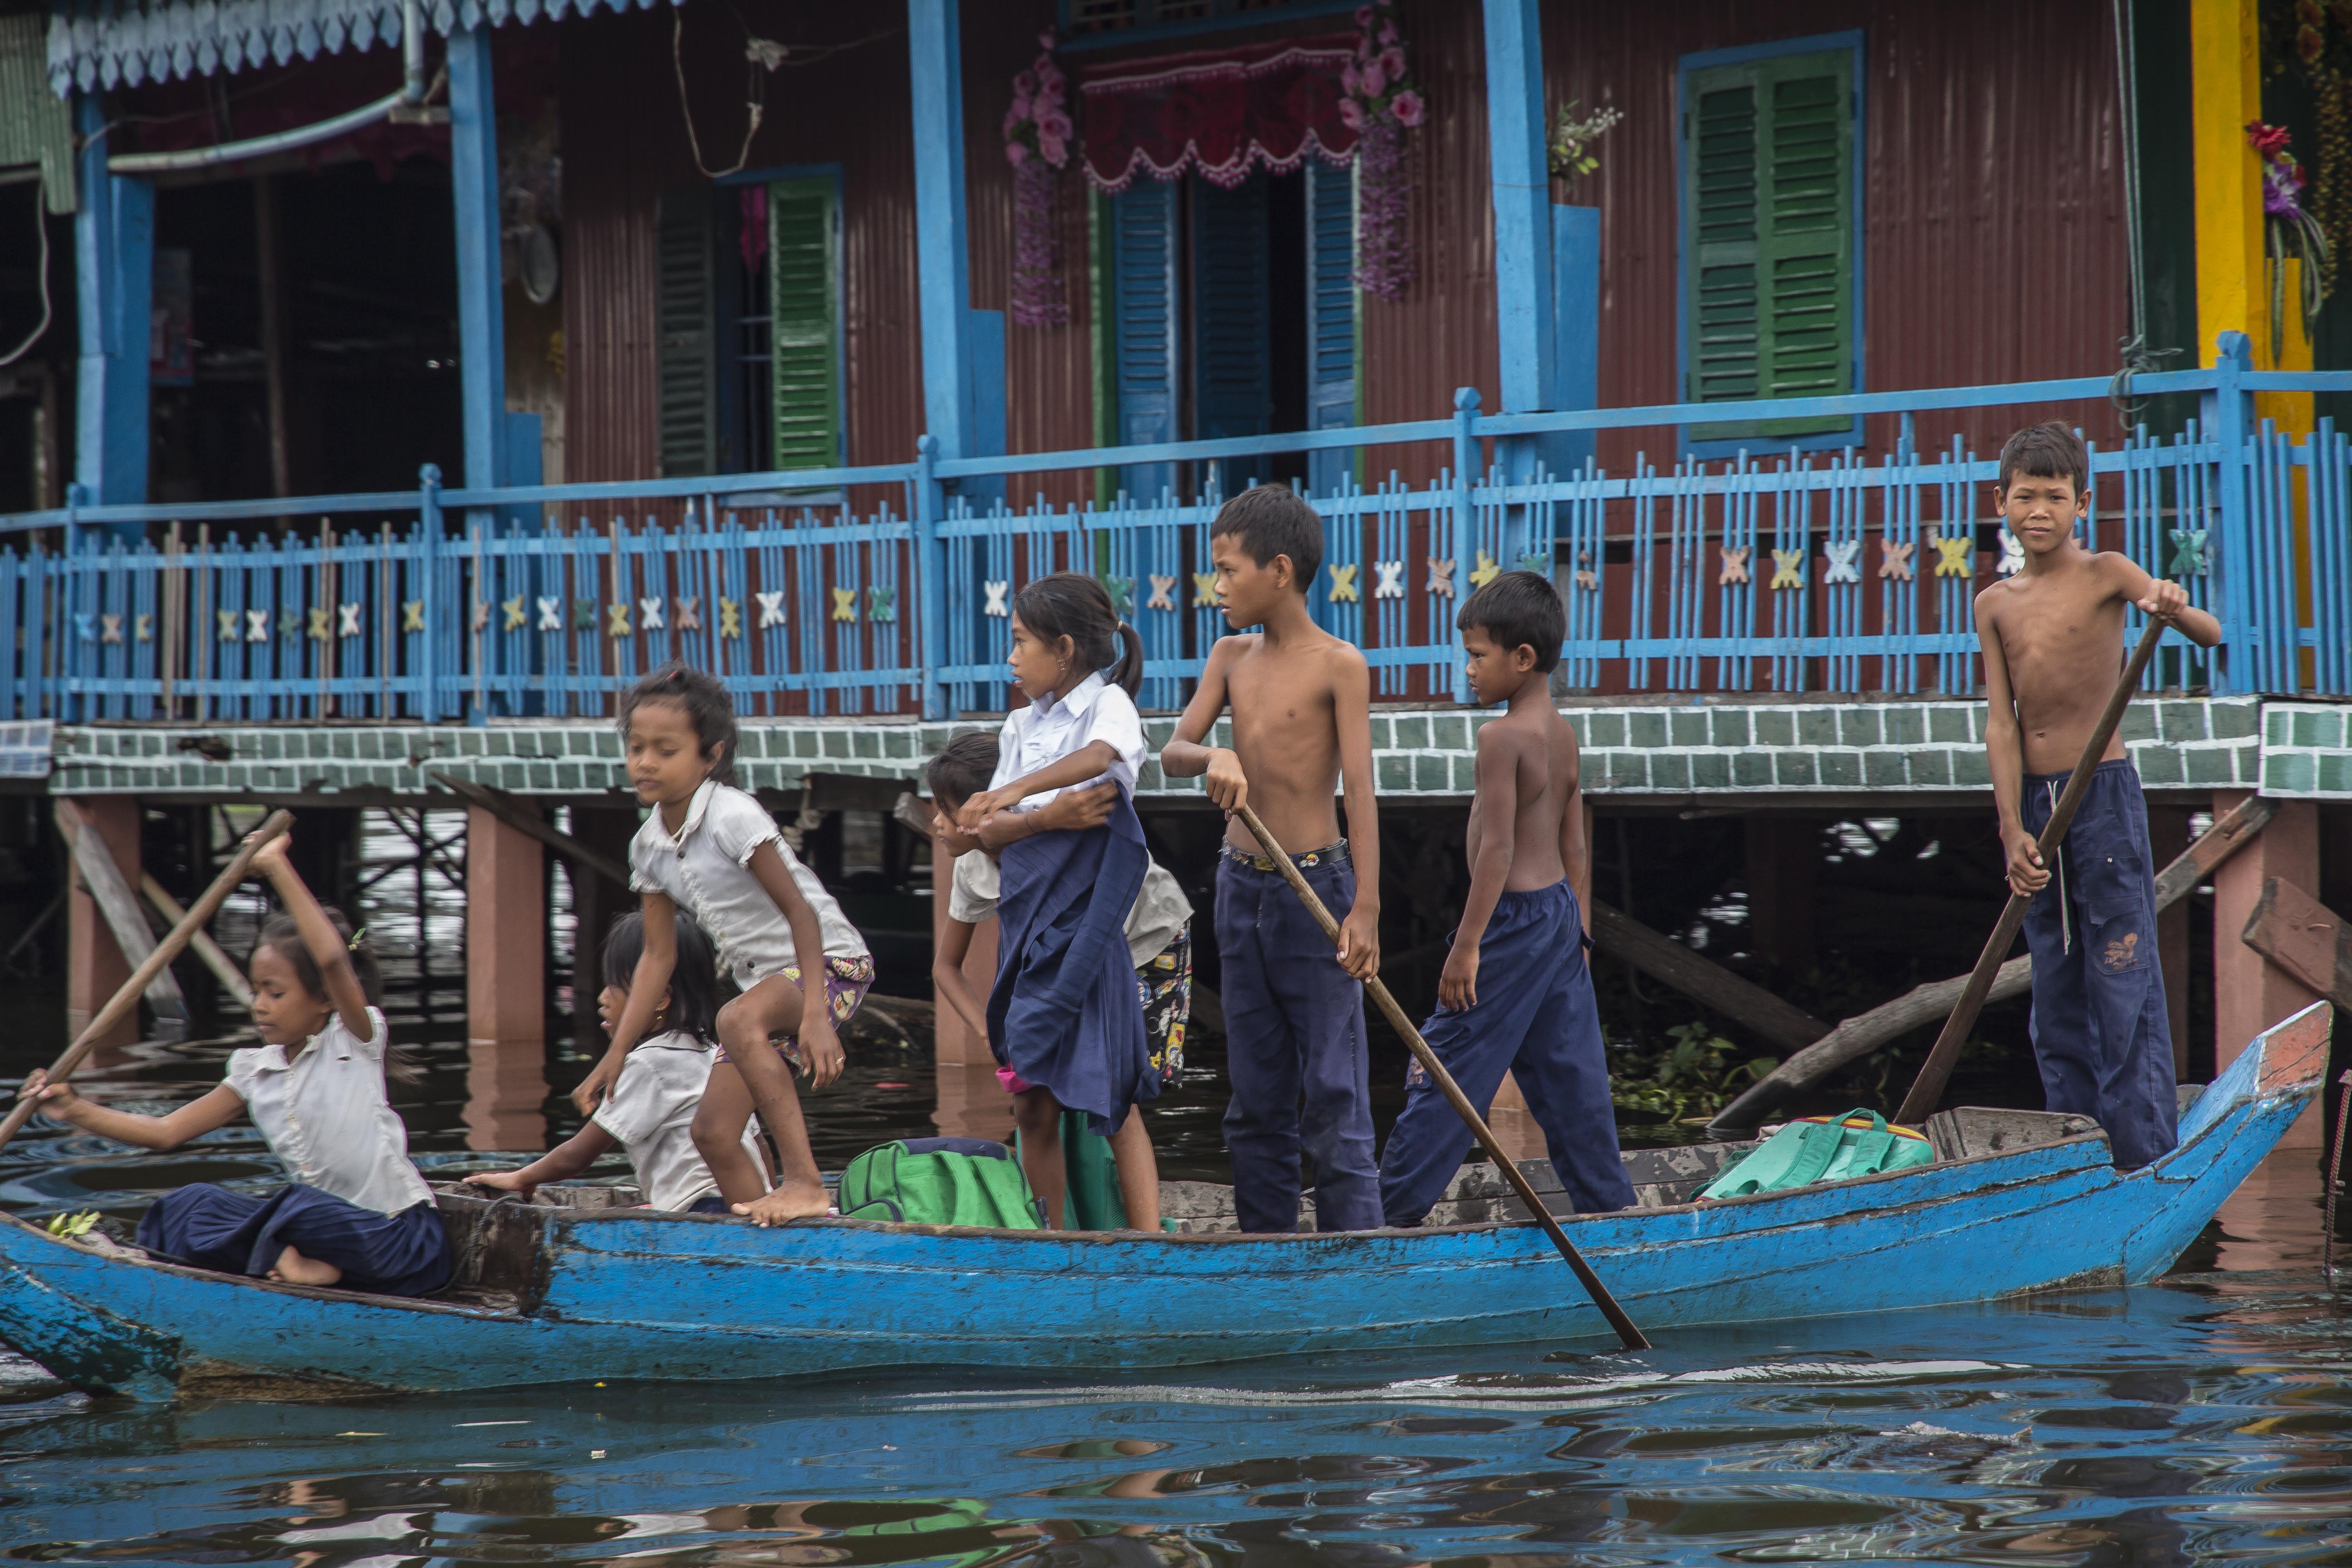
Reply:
x=1784 y=856
x=2250 y=993
x=94 y=967
x=596 y=905
x=957 y=1044
x=2168 y=837
x=506 y=985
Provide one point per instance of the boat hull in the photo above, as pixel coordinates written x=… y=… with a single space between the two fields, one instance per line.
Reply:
x=628 y=1294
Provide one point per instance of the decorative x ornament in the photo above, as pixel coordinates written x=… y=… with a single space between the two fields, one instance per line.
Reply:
x=2013 y=554
x=226 y=620
x=1441 y=576
x=109 y=628
x=844 y=603
x=143 y=628
x=2191 y=555
x=1485 y=572
x=995 y=606
x=731 y=618
x=1343 y=585
x=1204 y=590
x=412 y=616
x=1122 y=596
x=1894 y=560
x=86 y=626
x=1843 y=555
x=1735 y=564
x=771 y=609
x=690 y=613
x=550 y=614
x=651 y=620
x=349 y=617
x=881 y=604
x=1537 y=563
x=583 y=614
x=616 y=620
x=1391 y=582
x=322 y=621
x=1789 y=568
x=1957 y=555
x=1160 y=592
x=257 y=625
x=290 y=625
x=1585 y=575
x=515 y=617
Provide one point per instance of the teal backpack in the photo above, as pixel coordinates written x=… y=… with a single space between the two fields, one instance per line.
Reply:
x=1824 y=1149
x=941 y=1180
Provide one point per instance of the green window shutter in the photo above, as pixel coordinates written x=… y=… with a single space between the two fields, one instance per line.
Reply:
x=1768 y=215
x=685 y=335
x=804 y=320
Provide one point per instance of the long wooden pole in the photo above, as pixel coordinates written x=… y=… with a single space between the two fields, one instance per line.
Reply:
x=1928 y=1087
x=1602 y=1299
x=197 y=916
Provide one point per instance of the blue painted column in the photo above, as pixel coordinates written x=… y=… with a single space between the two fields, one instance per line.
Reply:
x=481 y=312
x=1521 y=175
x=114 y=261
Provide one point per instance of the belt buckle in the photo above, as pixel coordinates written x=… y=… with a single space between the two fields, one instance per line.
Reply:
x=1311 y=857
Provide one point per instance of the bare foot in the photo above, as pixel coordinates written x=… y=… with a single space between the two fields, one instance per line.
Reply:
x=796 y=1200
x=295 y=1269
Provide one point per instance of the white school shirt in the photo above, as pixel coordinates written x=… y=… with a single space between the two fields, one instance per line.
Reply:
x=1046 y=732
x=1160 y=909
x=325 y=1116
x=704 y=869
x=651 y=1112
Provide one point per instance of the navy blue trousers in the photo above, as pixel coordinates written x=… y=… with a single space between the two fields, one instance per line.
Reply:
x=2100 y=1031
x=1537 y=1018
x=1294 y=1035
x=404 y=1254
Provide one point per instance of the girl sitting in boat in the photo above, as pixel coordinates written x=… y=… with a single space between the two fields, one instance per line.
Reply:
x=709 y=848
x=357 y=1215
x=650 y=1113
x=1064 y=1017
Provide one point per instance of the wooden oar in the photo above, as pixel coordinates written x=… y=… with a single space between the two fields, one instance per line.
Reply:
x=1484 y=1134
x=1928 y=1087
x=198 y=916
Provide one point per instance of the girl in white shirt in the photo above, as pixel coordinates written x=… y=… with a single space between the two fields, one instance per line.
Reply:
x=651 y=1110
x=358 y=1213
x=709 y=849
x=1063 y=1018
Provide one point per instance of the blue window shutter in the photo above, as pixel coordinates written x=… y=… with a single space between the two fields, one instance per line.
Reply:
x=1144 y=318
x=1332 y=322
x=1233 y=372
x=804 y=320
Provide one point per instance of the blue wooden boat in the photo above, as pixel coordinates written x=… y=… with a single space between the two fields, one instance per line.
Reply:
x=553 y=1292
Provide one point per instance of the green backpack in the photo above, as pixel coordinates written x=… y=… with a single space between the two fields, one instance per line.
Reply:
x=1824 y=1149
x=1092 y=1200
x=941 y=1180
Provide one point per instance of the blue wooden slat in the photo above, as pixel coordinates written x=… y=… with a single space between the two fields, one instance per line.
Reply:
x=1331 y=304
x=1144 y=321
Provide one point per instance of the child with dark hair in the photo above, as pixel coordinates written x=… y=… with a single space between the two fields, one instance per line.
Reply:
x=2052 y=640
x=1159 y=946
x=1063 y=1017
x=1294 y=1012
x=1522 y=931
x=650 y=1113
x=803 y=969
x=358 y=1213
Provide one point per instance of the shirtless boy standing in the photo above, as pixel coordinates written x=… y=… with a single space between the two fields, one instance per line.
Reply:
x=1295 y=1016
x=1514 y=993
x=2053 y=642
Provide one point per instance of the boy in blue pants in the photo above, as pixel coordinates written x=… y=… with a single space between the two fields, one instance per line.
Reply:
x=1514 y=993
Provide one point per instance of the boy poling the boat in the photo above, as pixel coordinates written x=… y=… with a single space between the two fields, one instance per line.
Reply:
x=2052 y=637
x=358 y=1213
x=1302 y=727
x=709 y=848
x=1062 y=1016
x=1159 y=946
x=1515 y=993
x=650 y=1113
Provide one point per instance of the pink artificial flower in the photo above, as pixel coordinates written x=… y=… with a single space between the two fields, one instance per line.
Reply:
x=1349 y=82
x=1375 y=80
x=1392 y=62
x=1046 y=40
x=1352 y=114
x=1016 y=153
x=1055 y=124
x=1047 y=76
x=1052 y=148
x=1363 y=16
x=1048 y=97
x=1021 y=106
x=1363 y=48
x=1024 y=85
x=1408 y=108
x=1013 y=117
x=1388 y=34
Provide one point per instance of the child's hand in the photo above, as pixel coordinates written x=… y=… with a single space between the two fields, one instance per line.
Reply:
x=595 y=1086
x=504 y=1182
x=2165 y=600
x=1359 y=943
x=56 y=1100
x=1458 y=982
x=1227 y=785
x=270 y=860
x=820 y=1046
x=983 y=807
x=1079 y=809
x=2027 y=874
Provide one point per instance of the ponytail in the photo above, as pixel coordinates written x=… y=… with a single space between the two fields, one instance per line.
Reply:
x=1127 y=673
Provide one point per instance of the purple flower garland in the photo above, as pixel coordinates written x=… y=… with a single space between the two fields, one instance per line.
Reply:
x=1038 y=136
x=1382 y=106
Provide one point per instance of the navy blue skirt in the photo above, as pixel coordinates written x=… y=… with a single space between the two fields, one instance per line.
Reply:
x=404 y=1254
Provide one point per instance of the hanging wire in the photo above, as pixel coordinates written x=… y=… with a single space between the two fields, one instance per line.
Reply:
x=41 y=225
x=2137 y=357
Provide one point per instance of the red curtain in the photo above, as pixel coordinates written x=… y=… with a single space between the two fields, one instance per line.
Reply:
x=1223 y=112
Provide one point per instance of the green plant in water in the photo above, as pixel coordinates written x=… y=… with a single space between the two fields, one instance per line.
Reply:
x=73 y=1226
x=1687 y=1081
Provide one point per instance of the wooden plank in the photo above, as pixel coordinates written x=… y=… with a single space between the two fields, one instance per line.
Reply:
x=223 y=966
x=1663 y=959
x=2303 y=937
x=115 y=900
x=512 y=812
x=2228 y=835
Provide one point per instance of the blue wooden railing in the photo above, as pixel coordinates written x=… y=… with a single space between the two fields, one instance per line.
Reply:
x=1789 y=572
